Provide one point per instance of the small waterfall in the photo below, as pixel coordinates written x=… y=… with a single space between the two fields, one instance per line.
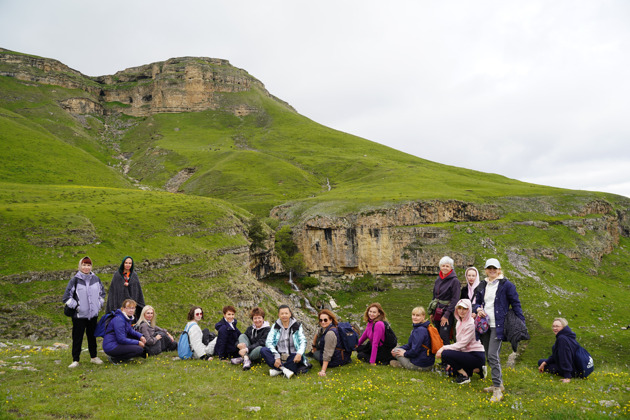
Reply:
x=295 y=287
x=328 y=184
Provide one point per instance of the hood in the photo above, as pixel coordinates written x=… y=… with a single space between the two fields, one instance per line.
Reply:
x=123 y=316
x=464 y=302
x=566 y=332
x=265 y=324
x=121 y=269
x=291 y=322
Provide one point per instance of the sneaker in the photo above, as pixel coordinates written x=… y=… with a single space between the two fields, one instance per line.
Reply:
x=491 y=389
x=96 y=360
x=484 y=371
x=288 y=373
x=497 y=395
x=461 y=379
x=237 y=360
x=274 y=372
x=395 y=363
x=113 y=361
x=73 y=365
x=247 y=364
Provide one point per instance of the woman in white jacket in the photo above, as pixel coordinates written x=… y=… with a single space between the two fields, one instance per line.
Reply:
x=195 y=335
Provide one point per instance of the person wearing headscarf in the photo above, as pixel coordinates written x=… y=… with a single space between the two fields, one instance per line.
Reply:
x=85 y=293
x=125 y=285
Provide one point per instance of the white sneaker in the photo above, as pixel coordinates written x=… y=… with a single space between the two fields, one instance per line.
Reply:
x=274 y=372
x=288 y=373
x=73 y=365
x=96 y=360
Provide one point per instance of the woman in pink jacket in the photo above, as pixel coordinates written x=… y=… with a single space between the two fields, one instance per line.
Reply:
x=467 y=354
x=375 y=351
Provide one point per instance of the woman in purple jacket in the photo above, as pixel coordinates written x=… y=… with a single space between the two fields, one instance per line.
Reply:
x=121 y=341
x=375 y=351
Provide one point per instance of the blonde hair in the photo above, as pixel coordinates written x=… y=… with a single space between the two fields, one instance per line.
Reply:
x=562 y=321
x=142 y=319
x=419 y=310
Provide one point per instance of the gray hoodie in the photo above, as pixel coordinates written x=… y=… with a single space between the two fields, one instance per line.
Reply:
x=89 y=296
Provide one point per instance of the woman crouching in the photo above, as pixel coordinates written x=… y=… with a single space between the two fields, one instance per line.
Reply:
x=121 y=341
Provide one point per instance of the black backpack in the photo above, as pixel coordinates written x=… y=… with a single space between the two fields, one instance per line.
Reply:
x=390 y=341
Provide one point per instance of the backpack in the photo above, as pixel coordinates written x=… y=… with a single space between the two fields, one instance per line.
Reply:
x=583 y=362
x=348 y=336
x=435 y=340
x=101 y=327
x=390 y=341
x=184 y=351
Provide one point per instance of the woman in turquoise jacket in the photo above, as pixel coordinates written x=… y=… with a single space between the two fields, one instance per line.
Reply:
x=285 y=346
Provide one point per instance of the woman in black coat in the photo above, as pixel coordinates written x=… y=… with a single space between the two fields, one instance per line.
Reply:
x=561 y=362
x=125 y=285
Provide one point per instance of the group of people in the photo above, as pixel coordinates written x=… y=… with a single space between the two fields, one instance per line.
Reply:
x=472 y=322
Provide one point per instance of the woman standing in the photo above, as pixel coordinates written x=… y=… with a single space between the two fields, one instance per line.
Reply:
x=285 y=346
x=121 y=341
x=472 y=281
x=375 y=351
x=494 y=296
x=467 y=354
x=158 y=339
x=326 y=350
x=446 y=292
x=125 y=285
x=562 y=359
x=86 y=294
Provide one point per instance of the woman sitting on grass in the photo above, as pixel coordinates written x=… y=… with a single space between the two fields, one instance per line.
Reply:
x=158 y=339
x=227 y=334
x=327 y=344
x=562 y=359
x=195 y=335
x=121 y=341
x=416 y=354
x=466 y=355
x=285 y=345
x=253 y=340
x=375 y=351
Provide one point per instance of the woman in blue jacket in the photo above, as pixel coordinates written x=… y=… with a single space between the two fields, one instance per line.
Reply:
x=227 y=334
x=285 y=346
x=416 y=354
x=494 y=297
x=86 y=294
x=121 y=341
x=561 y=362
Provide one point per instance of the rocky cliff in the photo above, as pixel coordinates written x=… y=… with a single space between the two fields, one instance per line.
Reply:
x=182 y=84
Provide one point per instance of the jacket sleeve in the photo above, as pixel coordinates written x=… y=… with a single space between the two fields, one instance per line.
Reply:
x=145 y=329
x=68 y=295
x=219 y=348
x=379 y=335
x=194 y=338
x=272 y=340
x=300 y=341
x=455 y=292
x=364 y=336
x=120 y=331
x=101 y=294
x=514 y=301
x=415 y=343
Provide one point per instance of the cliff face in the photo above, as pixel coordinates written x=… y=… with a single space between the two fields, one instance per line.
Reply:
x=183 y=84
x=403 y=240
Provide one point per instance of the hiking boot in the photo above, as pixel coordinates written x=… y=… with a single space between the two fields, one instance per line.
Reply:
x=461 y=379
x=491 y=389
x=274 y=372
x=237 y=360
x=395 y=363
x=288 y=373
x=96 y=360
x=247 y=364
x=497 y=395
x=73 y=365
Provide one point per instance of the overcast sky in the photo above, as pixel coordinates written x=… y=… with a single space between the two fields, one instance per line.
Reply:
x=533 y=90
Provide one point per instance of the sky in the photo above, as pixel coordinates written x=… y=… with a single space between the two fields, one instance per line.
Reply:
x=534 y=90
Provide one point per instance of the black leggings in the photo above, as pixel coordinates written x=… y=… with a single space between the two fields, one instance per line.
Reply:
x=82 y=326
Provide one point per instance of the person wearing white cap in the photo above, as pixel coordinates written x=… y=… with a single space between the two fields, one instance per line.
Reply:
x=493 y=297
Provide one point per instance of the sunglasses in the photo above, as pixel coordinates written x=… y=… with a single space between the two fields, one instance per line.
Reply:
x=198 y=313
x=323 y=320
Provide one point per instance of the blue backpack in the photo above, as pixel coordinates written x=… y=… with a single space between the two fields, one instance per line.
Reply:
x=184 y=351
x=348 y=336
x=101 y=327
x=583 y=361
